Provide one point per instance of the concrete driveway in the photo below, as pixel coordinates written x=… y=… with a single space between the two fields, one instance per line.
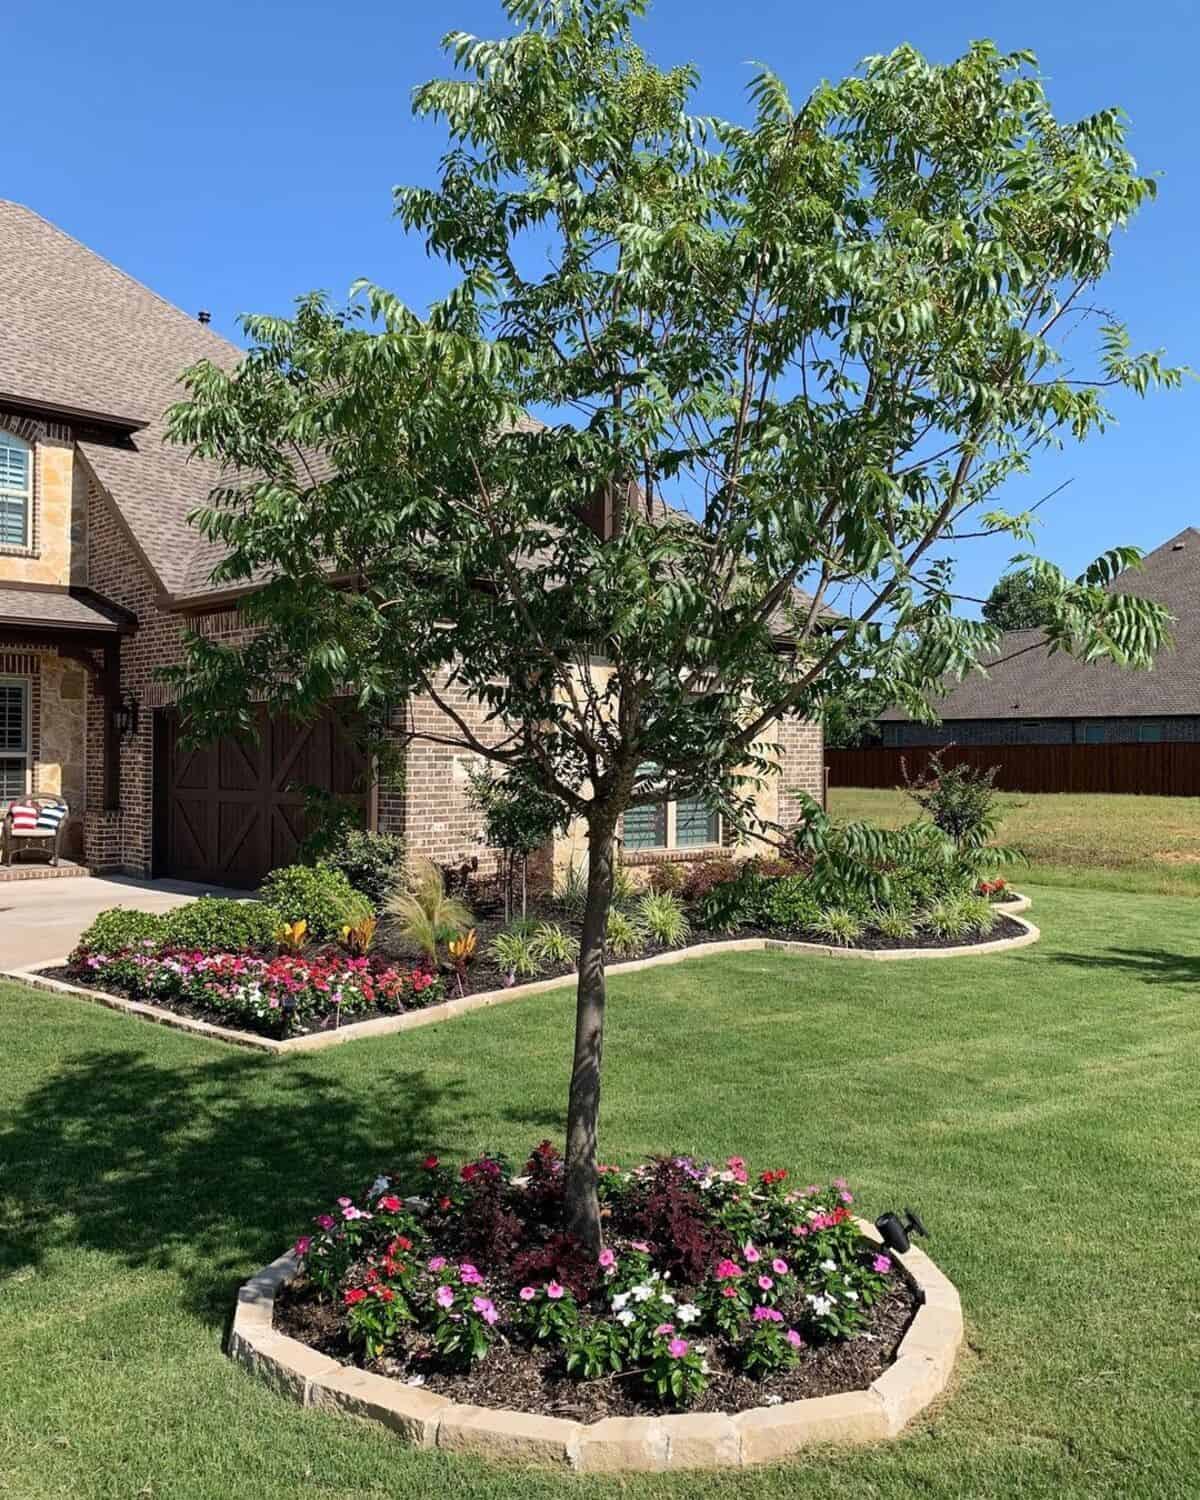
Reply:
x=41 y=919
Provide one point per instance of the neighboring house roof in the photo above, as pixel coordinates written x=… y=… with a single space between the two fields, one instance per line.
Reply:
x=1032 y=684
x=75 y=609
x=83 y=338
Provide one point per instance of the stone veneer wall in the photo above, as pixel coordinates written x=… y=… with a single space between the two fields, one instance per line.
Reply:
x=58 y=506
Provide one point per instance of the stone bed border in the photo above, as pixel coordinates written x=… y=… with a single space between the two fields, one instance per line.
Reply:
x=695 y=1440
x=318 y=1041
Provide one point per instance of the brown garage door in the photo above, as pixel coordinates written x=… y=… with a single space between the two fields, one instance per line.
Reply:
x=229 y=812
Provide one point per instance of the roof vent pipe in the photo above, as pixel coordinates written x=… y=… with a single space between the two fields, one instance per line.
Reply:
x=204 y=316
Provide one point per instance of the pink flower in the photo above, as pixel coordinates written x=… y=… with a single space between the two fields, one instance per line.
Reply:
x=729 y=1291
x=765 y=1283
x=345 y=1202
x=438 y=1263
x=554 y=1291
x=766 y=1315
x=640 y=1245
x=469 y=1275
x=846 y=1197
x=444 y=1296
x=606 y=1259
x=779 y=1266
x=527 y=1293
x=794 y=1339
x=727 y=1268
x=486 y=1309
x=751 y=1254
x=677 y=1348
x=663 y=1330
x=324 y=1220
x=800 y=1230
x=882 y=1264
x=302 y=1244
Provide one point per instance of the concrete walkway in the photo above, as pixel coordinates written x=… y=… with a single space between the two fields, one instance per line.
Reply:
x=41 y=919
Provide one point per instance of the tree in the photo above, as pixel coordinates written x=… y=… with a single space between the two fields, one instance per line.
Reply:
x=519 y=818
x=806 y=350
x=1021 y=600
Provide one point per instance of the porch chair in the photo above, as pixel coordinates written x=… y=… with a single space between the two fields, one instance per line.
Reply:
x=34 y=821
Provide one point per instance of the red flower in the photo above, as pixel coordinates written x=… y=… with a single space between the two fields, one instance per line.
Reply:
x=355 y=1294
x=401 y=1242
x=386 y=1294
x=430 y=1163
x=443 y=1204
x=779 y=1175
x=390 y=1204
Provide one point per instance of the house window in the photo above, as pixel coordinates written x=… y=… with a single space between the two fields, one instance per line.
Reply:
x=689 y=823
x=14 y=738
x=1093 y=734
x=16 y=490
x=1149 y=734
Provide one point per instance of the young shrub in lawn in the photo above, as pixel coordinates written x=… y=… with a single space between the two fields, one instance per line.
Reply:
x=661 y=914
x=515 y=952
x=315 y=894
x=838 y=926
x=551 y=945
x=215 y=924
x=120 y=927
x=626 y=937
x=960 y=800
x=426 y=915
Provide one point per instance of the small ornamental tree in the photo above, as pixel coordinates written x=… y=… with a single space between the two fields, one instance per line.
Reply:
x=519 y=818
x=802 y=351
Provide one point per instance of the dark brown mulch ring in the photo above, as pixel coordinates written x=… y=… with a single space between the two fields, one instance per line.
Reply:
x=517 y=1377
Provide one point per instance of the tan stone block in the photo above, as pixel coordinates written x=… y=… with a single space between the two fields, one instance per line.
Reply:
x=286 y=1365
x=702 y=1440
x=771 y=1433
x=254 y=1315
x=70 y=686
x=619 y=1444
x=511 y=1435
x=406 y=1409
x=907 y=1387
x=935 y=1333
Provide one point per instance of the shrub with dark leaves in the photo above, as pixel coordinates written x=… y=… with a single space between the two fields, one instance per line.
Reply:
x=672 y=1216
x=560 y=1258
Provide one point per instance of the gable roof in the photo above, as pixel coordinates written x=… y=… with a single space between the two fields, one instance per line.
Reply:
x=1032 y=684
x=83 y=338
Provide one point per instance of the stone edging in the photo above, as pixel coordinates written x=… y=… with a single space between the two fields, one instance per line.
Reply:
x=318 y=1041
x=699 y=1440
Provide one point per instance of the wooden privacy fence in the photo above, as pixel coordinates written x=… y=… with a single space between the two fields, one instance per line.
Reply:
x=1160 y=770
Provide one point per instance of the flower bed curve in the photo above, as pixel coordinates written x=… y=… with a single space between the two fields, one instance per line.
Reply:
x=399 y=1324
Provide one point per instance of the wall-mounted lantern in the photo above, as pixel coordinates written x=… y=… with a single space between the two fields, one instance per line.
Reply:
x=125 y=717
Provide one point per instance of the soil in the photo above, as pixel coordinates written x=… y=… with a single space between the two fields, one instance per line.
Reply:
x=517 y=1376
x=484 y=974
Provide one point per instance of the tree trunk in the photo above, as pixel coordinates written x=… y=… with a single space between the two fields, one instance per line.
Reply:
x=583 y=1109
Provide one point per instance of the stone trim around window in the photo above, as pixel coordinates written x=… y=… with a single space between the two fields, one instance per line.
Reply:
x=35 y=433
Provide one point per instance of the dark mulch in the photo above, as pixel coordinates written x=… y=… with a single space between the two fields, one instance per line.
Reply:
x=518 y=1376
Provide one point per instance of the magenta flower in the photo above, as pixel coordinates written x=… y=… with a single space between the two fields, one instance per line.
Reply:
x=486 y=1309
x=554 y=1291
x=444 y=1296
x=727 y=1268
x=324 y=1220
x=766 y=1315
x=606 y=1259
x=438 y=1263
x=527 y=1293
x=302 y=1244
x=882 y=1264
x=779 y=1266
x=469 y=1275
x=794 y=1339
x=664 y=1330
x=751 y=1254
x=765 y=1283
x=677 y=1348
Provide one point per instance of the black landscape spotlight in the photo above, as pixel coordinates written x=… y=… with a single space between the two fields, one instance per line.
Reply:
x=895 y=1232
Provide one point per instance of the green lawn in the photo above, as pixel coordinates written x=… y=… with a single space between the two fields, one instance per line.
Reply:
x=1039 y=1108
x=1148 y=845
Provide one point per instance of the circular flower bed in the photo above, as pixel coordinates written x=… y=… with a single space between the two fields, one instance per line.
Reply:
x=714 y=1292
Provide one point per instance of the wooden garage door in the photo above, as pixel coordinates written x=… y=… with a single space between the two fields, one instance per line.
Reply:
x=229 y=812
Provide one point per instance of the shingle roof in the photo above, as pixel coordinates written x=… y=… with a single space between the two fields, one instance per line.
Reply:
x=34 y=607
x=1035 y=685
x=80 y=334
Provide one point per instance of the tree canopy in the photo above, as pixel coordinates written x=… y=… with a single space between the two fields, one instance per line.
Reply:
x=1021 y=600
x=783 y=369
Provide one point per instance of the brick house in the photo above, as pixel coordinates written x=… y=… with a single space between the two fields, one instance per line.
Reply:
x=100 y=573
x=1033 y=698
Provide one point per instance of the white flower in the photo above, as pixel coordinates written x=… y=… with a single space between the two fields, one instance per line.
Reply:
x=851 y=1296
x=415 y=1380
x=642 y=1293
x=626 y=1316
x=619 y=1301
x=829 y=1265
x=821 y=1306
x=688 y=1313
x=704 y=1367
x=668 y=1298
x=772 y=1400
x=380 y=1185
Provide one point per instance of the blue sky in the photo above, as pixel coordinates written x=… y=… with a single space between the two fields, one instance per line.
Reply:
x=233 y=155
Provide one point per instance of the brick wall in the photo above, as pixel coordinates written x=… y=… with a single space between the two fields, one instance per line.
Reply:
x=801 y=766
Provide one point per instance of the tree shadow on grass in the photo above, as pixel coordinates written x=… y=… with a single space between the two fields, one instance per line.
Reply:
x=209 y=1171
x=1152 y=965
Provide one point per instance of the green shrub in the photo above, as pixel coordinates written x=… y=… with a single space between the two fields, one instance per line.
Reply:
x=789 y=904
x=551 y=945
x=838 y=926
x=949 y=920
x=667 y=876
x=570 y=894
x=730 y=904
x=701 y=877
x=662 y=916
x=120 y=927
x=897 y=924
x=626 y=939
x=961 y=800
x=980 y=913
x=315 y=894
x=215 y=924
x=515 y=953
x=373 y=863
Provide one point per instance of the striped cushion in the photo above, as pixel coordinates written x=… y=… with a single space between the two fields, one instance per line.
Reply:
x=50 y=815
x=24 y=817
